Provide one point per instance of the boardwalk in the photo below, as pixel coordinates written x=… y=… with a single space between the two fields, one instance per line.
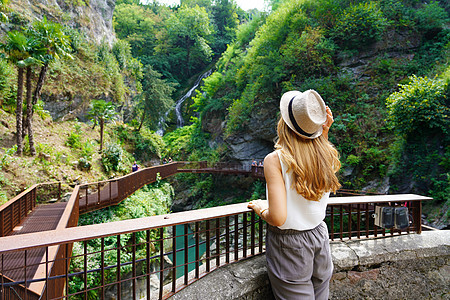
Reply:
x=44 y=217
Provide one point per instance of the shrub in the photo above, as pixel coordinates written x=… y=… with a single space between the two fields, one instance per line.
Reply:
x=87 y=149
x=310 y=54
x=84 y=163
x=74 y=141
x=431 y=16
x=6 y=81
x=7 y=157
x=419 y=106
x=359 y=25
x=112 y=157
x=353 y=160
x=39 y=109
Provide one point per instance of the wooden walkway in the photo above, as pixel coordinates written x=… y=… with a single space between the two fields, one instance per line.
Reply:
x=44 y=217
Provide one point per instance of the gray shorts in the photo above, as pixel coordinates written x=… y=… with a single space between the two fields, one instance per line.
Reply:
x=299 y=262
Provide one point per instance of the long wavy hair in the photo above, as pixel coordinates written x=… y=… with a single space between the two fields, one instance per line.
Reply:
x=313 y=162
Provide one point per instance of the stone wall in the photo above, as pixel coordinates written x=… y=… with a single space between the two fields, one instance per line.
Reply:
x=400 y=267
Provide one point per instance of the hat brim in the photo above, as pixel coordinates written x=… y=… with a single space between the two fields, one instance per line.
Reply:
x=285 y=113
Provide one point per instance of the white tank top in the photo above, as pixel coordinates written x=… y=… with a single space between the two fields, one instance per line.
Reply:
x=302 y=214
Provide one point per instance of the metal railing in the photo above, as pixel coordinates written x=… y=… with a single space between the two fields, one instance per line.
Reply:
x=13 y=212
x=129 y=256
x=220 y=167
x=97 y=195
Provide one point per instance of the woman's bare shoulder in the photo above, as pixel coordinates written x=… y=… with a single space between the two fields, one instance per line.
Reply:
x=272 y=160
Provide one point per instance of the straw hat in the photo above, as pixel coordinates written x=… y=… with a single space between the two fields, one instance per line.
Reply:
x=304 y=112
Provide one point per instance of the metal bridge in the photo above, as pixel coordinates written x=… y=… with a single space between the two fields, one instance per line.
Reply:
x=36 y=240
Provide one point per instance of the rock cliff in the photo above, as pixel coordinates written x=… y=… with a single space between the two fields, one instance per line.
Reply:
x=93 y=17
x=257 y=140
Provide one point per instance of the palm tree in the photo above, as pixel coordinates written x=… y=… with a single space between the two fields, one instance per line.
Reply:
x=101 y=112
x=51 y=43
x=27 y=127
x=51 y=37
x=18 y=52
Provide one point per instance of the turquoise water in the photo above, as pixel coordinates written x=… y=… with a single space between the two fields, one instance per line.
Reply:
x=191 y=251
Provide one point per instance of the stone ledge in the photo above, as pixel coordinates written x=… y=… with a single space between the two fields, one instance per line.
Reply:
x=399 y=267
x=368 y=252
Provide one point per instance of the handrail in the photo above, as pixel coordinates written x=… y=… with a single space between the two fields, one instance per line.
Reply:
x=17 y=209
x=81 y=233
x=10 y=202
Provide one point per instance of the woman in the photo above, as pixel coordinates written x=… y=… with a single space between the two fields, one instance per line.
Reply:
x=300 y=174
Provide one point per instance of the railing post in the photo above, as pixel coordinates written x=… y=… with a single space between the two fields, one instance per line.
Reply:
x=2 y=224
x=252 y=233
x=208 y=250
x=349 y=221
x=174 y=258
x=118 y=276
x=98 y=192
x=186 y=254
x=417 y=215
x=59 y=191
x=147 y=262
x=134 y=281
x=227 y=239
x=244 y=233
x=161 y=262
x=87 y=202
x=197 y=253
x=102 y=268
x=218 y=242
x=332 y=222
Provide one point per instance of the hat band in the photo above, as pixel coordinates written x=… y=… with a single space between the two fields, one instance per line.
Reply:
x=294 y=123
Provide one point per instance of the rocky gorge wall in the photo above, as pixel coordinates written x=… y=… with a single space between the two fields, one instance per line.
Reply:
x=93 y=17
x=415 y=266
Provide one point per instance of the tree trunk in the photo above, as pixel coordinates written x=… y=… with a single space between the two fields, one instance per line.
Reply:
x=39 y=84
x=19 y=111
x=29 y=120
x=101 y=134
x=142 y=121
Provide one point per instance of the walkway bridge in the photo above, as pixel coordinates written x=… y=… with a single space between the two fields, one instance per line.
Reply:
x=36 y=241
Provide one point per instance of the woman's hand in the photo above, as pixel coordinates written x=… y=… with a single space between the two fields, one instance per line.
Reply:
x=328 y=122
x=258 y=206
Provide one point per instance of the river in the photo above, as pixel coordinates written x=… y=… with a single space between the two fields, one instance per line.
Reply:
x=191 y=251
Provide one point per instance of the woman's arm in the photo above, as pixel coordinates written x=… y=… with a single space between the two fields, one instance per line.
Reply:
x=328 y=122
x=276 y=213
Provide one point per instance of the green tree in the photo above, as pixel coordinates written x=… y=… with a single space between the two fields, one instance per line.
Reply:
x=226 y=22
x=52 y=38
x=101 y=113
x=189 y=32
x=137 y=25
x=155 y=99
x=17 y=48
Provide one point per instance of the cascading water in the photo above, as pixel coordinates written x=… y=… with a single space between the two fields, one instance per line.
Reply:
x=179 y=103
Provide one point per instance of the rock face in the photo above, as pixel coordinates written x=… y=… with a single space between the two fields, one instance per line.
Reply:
x=402 y=267
x=93 y=17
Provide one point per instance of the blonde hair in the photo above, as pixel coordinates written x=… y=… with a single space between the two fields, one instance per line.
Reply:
x=313 y=162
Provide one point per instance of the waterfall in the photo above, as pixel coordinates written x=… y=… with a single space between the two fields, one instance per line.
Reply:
x=179 y=103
